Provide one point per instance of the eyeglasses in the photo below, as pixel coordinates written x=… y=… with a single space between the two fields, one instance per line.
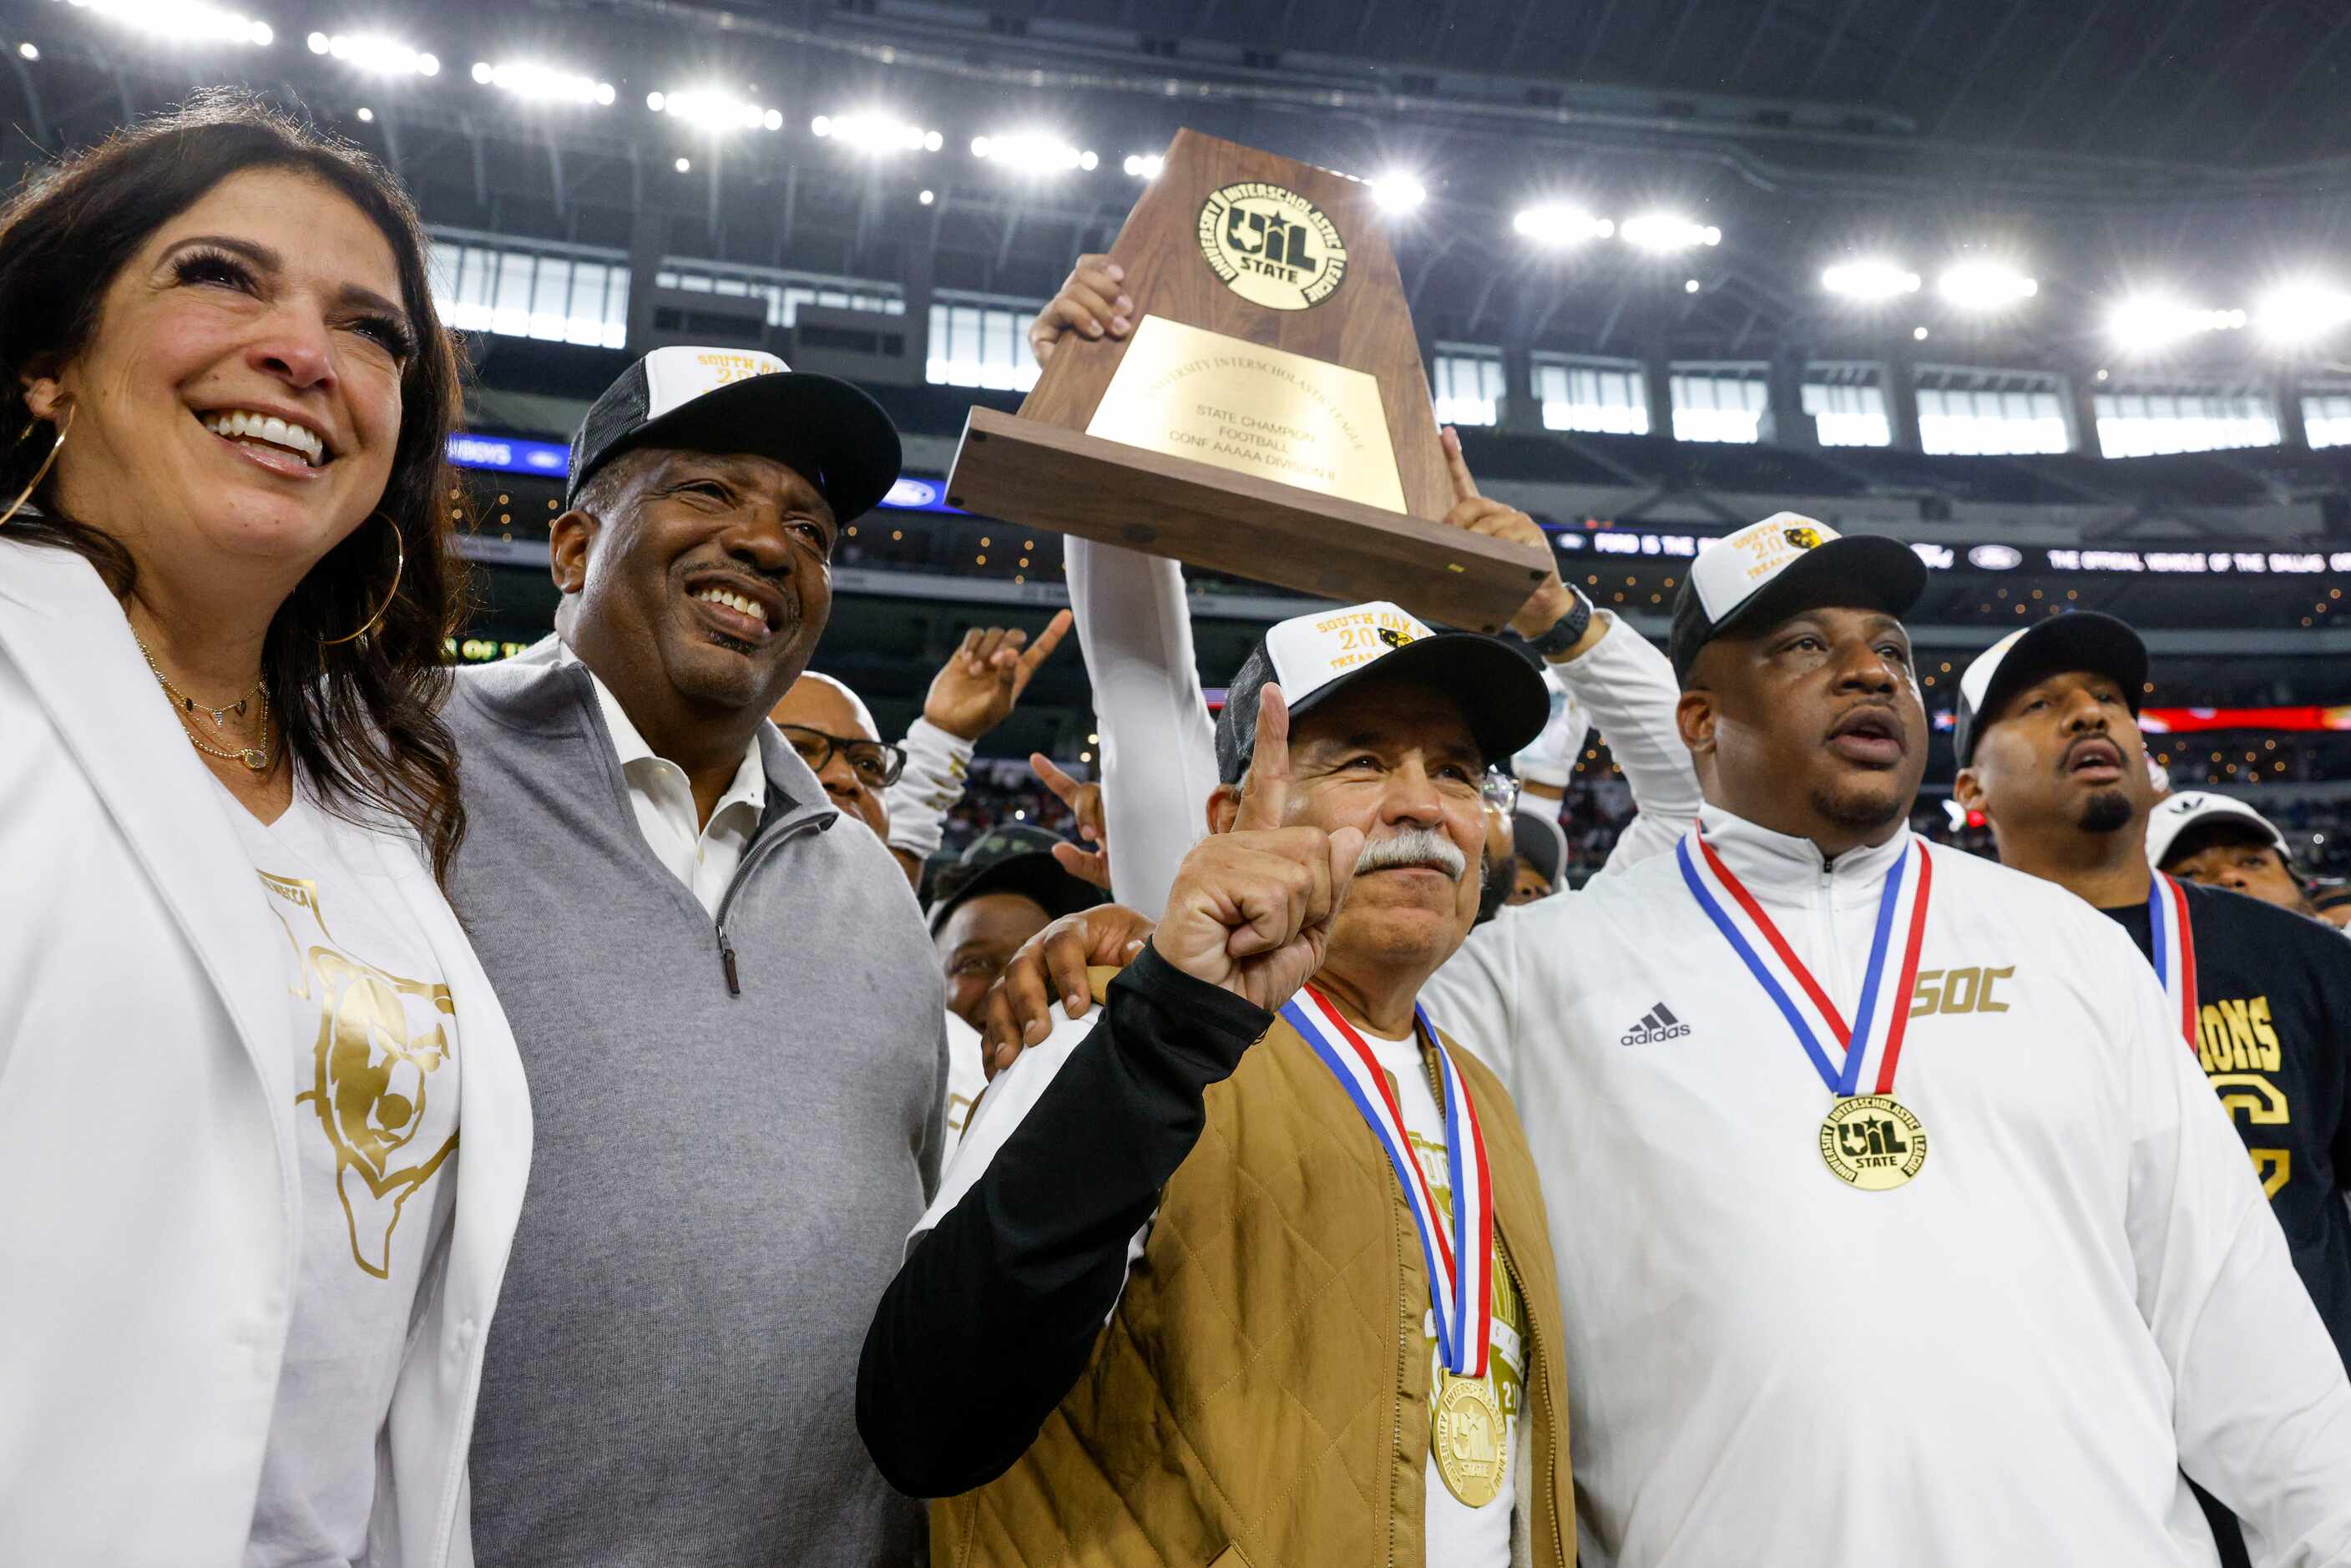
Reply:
x=1499 y=790
x=876 y=765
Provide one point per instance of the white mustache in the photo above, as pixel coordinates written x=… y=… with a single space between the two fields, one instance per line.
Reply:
x=1413 y=846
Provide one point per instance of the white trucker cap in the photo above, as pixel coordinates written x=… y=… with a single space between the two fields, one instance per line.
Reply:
x=1770 y=571
x=2196 y=808
x=1310 y=657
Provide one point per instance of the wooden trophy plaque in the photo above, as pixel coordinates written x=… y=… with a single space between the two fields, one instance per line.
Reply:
x=1267 y=418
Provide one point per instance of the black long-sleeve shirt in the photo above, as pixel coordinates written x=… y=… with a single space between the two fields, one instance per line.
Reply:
x=993 y=1316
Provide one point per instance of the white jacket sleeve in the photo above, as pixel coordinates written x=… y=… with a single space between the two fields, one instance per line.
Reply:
x=2262 y=1408
x=1470 y=997
x=1628 y=690
x=1159 y=748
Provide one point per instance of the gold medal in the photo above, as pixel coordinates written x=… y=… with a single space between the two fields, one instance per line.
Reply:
x=1465 y=1436
x=1873 y=1142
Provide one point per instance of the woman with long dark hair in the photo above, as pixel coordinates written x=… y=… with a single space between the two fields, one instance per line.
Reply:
x=246 y=1274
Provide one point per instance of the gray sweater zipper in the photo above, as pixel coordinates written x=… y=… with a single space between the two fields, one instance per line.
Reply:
x=758 y=852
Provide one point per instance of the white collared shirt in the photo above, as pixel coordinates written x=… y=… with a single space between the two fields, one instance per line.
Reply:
x=702 y=855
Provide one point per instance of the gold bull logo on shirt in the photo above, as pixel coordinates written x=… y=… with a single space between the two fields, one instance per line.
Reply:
x=371 y=1082
x=381 y=1041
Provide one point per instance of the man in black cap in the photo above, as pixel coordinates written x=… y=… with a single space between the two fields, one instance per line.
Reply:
x=2050 y=751
x=1541 y=852
x=1007 y=886
x=728 y=1011
x=1880 y=1155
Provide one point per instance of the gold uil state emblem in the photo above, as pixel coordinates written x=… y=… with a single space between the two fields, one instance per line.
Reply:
x=381 y=1041
x=1803 y=539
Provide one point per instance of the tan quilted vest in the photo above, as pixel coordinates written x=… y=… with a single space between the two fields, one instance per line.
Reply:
x=1260 y=1400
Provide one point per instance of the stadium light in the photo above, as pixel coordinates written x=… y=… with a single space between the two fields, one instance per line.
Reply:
x=2298 y=311
x=1556 y=226
x=377 y=53
x=2152 y=320
x=1665 y=233
x=1871 y=279
x=714 y=110
x=1032 y=153
x=1144 y=165
x=195 y=23
x=28 y=51
x=1398 y=192
x=875 y=132
x=1984 y=286
x=545 y=84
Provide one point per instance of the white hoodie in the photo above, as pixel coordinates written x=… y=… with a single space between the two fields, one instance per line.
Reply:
x=2008 y=1361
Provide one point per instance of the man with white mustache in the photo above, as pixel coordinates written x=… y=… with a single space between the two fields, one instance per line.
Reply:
x=1189 y=1293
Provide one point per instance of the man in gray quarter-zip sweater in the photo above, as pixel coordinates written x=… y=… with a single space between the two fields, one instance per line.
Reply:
x=726 y=1005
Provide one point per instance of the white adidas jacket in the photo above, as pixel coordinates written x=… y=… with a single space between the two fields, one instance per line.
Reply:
x=2010 y=1359
x=150 y=1205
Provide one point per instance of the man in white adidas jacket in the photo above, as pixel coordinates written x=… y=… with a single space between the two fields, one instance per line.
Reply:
x=2008 y=1358
x=2069 y=1288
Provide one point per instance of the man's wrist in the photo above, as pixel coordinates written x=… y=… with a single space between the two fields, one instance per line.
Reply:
x=949 y=727
x=933 y=781
x=1555 y=641
x=1213 y=1020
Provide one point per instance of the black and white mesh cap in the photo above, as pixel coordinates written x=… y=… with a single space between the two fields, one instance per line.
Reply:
x=743 y=400
x=1748 y=580
x=1310 y=657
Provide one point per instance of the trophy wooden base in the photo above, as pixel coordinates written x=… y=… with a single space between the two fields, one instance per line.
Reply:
x=1046 y=476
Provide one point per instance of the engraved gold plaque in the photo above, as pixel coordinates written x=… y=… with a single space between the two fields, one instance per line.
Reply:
x=1250 y=409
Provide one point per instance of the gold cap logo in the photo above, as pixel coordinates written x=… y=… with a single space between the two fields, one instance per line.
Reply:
x=1271 y=245
x=1805 y=539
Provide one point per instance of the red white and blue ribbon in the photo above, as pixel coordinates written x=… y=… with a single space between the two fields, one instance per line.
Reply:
x=1839 y=1052
x=2175 y=950
x=1462 y=1298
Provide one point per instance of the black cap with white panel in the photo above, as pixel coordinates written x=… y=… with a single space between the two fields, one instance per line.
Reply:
x=2083 y=640
x=1787 y=563
x=1314 y=657
x=745 y=400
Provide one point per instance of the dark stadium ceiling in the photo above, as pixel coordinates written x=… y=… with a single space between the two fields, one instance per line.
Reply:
x=2106 y=144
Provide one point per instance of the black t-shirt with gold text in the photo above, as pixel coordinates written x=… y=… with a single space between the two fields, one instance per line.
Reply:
x=2274 y=991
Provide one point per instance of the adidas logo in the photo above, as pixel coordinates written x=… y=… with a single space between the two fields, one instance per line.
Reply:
x=1658 y=1023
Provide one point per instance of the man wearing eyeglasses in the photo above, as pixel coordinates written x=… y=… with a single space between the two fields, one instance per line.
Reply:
x=903 y=792
x=725 y=1000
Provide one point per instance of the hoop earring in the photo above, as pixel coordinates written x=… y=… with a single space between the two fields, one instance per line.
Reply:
x=399 y=565
x=43 y=471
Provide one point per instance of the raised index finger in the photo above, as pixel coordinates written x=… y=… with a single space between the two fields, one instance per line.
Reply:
x=1456 y=467
x=1047 y=641
x=1264 y=790
x=1059 y=782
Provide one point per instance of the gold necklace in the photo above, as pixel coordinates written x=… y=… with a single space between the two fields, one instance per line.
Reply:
x=255 y=758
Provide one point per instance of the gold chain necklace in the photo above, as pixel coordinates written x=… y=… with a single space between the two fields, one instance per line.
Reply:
x=255 y=758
